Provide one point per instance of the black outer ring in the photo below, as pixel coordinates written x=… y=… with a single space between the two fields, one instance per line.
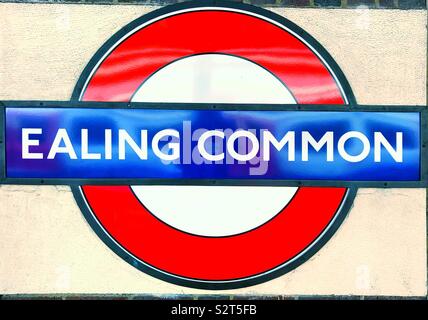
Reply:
x=195 y=283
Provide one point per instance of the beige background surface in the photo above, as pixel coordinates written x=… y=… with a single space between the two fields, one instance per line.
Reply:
x=46 y=246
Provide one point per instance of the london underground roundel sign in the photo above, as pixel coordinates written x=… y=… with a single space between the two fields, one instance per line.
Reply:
x=214 y=237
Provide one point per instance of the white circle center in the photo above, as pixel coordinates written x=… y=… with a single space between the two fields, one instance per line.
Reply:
x=214 y=210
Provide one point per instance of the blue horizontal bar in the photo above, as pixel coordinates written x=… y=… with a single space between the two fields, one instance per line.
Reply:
x=31 y=151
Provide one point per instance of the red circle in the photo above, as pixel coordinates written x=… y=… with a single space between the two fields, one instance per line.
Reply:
x=116 y=208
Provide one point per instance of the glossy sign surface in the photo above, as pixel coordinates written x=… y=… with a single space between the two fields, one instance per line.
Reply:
x=122 y=70
x=189 y=125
